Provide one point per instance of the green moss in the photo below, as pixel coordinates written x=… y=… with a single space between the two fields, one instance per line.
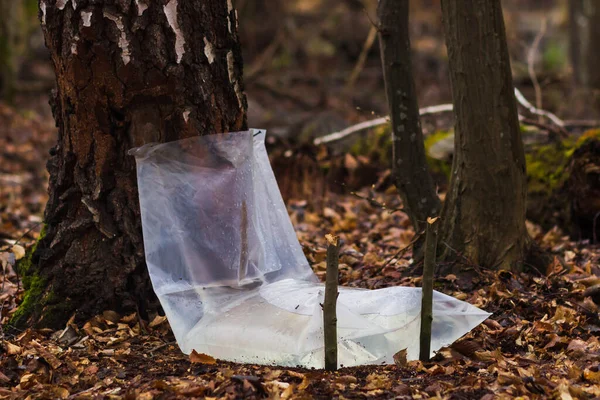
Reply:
x=554 y=57
x=376 y=145
x=34 y=285
x=437 y=166
x=588 y=135
x=547 y=166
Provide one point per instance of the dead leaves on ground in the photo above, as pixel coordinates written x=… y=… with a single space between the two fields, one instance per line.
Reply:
x=541 y=342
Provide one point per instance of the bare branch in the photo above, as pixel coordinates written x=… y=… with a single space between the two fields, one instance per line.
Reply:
x=335 y=136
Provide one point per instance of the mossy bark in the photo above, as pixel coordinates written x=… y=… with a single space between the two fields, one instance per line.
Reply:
x=564 y=186
x=127 y=74
x=562 y=181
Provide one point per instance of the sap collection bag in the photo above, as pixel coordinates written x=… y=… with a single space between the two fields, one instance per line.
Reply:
x=231 y=276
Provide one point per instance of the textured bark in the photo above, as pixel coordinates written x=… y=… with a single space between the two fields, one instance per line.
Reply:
x=484 y=213
x=411 y=175
x=584 y=26
x=128 y=73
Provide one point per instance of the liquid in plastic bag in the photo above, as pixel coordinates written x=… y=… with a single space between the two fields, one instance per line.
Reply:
x=227 y=267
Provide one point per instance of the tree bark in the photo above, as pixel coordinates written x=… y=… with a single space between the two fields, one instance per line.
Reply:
x=127 y=73
x=411 y=175
x=330 y=303
x=484 y=213
x=427 y=289
x=9 y=32
x=584 y=27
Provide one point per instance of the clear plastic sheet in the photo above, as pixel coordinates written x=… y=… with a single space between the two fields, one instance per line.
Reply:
x=231 y=276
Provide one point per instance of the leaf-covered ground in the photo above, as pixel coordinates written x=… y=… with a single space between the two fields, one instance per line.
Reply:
x=541 y=341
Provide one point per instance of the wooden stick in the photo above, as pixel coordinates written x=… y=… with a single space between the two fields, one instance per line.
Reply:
x=427 y=289
x=329 y=304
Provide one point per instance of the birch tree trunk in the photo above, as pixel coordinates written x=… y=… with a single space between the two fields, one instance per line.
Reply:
x=127 y=73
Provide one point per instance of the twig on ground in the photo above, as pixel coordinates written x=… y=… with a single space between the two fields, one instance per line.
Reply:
x=161 y=346
x=375 y=203
x=403 y=249
x=523 y=101
x=22 y=236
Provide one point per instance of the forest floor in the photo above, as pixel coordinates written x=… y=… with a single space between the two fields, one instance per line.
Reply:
x=541 y=340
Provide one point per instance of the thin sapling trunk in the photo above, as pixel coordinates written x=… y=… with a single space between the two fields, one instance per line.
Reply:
x=329 y=304
x=427 y=289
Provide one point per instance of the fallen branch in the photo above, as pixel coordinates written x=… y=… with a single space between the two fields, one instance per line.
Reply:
x=335 y=136
x=523 y=101
x=332 y=137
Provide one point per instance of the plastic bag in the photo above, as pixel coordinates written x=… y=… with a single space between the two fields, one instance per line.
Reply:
x=231 y=276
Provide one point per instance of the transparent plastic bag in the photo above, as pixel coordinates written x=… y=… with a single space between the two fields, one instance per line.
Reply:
x=231 y=276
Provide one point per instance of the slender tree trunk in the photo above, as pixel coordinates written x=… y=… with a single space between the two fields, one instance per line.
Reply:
x=128 y=73
x=330 y=303
x=484 y=214
x=9 y=30
x=584 y=21
x=411 y=176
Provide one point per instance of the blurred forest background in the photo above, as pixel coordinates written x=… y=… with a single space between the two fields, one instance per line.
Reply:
x=312 y=67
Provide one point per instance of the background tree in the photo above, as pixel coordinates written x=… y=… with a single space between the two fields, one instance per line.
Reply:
x=16 y=25
x=584 y=26
x=411 y=176
x=484 y=213
x=127 y=73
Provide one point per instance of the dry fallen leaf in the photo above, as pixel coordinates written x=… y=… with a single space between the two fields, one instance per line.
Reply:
x=592 y=376
x=201 y=358
x=432 y=220
x=12 y=349
x=18 y=251
x=158 y=320
x=400 y=358
x=332 y=240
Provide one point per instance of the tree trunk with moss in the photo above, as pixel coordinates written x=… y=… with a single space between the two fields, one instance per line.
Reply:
x=411 y=176
x=127 y=73
x=484 y=215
